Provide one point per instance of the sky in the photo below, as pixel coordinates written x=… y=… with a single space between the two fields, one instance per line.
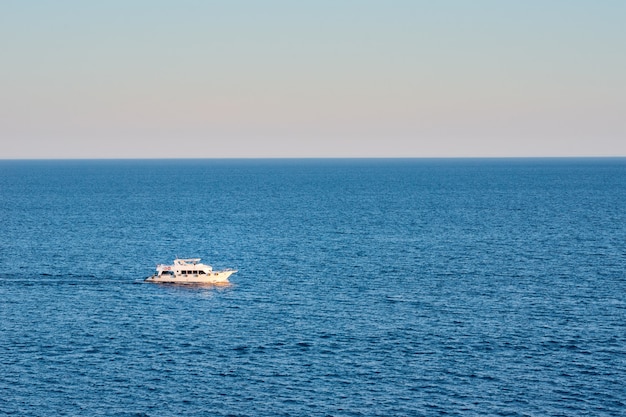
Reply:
x=323 y=78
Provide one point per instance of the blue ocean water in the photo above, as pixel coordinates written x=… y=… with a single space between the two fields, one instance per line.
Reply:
x=365 y=288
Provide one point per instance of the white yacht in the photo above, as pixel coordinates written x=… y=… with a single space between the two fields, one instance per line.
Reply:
x=190 y=271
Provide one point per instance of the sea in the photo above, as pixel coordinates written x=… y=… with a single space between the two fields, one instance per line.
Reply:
x=365 y=287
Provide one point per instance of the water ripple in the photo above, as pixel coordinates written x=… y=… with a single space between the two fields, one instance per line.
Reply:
x=365 y=288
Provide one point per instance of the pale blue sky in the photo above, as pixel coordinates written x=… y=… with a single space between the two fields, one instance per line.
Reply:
x=128 y=79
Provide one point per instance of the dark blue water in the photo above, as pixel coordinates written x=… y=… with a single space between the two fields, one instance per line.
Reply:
x=365 y=287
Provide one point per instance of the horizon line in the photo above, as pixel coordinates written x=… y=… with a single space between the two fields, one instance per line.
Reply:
x=309 y=158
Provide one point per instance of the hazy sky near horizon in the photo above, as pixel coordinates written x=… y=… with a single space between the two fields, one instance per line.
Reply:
x=395 y=78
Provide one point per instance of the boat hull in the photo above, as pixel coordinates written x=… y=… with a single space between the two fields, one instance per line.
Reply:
x=214 y=277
